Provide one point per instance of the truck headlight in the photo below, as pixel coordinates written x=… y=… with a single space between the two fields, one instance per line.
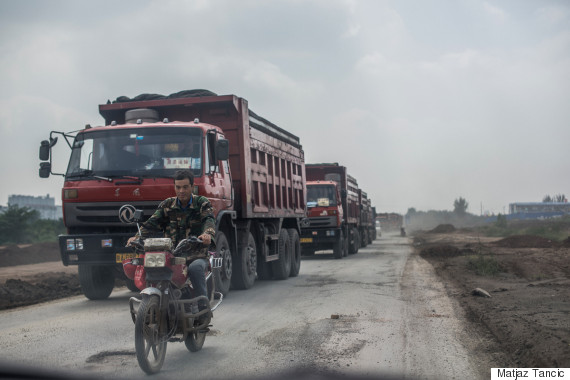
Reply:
x=155 y=260
x=74 y=244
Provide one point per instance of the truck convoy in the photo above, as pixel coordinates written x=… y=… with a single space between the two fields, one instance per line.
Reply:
x=252 y=171
x=339 y=213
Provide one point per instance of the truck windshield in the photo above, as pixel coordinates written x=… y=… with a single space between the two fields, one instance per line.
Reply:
x=321 y=195
x=142 y=152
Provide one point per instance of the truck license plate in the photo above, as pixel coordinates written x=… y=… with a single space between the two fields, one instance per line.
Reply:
x=125 y=256
x=306 y=240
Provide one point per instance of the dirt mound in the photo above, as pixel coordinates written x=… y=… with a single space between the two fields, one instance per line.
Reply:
x=527 y=314
x=442 y=229
x=46 y=287
x=566 y=242
x=526 y=241
x=440 y=251
x=24 y=254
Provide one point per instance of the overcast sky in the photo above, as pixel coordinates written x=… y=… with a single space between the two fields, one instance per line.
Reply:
x=423 y=101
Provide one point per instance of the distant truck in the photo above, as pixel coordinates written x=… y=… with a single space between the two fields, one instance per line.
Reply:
x=333 y=211
x=366 y=227
x=251 y=170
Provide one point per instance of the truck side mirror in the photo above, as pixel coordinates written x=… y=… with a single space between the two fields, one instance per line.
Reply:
x=44 y=150
x=222 y=149
x=343 y=193
x=45 y=169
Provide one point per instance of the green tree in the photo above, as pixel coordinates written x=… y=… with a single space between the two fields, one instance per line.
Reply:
x=460 y=206
x=16 y=224
x=46 y=230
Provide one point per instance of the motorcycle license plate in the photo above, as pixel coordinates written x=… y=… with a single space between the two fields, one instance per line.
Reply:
x=124 y=256
x=306 y=240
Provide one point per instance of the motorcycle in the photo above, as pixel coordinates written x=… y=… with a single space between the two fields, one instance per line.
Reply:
x=168 y=309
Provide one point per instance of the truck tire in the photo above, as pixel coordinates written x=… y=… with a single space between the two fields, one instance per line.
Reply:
x=264 y=272
x=295 y=252
x=223 y=275
x=96 y=281
x=338 y=247
x=354 y=241
x=363 y=239
x=282 y=267
x=245 y=265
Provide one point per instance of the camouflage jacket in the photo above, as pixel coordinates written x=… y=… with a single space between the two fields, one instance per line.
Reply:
x=177 y=223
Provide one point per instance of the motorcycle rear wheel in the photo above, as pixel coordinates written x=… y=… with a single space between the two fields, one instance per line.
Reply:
x=195 y=340
x=150 y=335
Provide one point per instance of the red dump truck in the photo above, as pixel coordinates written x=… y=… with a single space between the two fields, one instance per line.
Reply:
x=333 y=210
x=251 y=170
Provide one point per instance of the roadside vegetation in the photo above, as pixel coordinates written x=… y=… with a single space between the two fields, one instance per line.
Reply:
x=556 y=229
x=22 y=225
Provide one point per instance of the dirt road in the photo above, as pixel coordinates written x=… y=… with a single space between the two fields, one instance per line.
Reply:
x=524 y=323
x=379 y=312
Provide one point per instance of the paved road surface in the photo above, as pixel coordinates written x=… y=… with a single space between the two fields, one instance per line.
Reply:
x=394 y=319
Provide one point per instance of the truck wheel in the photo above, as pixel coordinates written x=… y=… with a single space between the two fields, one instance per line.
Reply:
x=354 y=241
x=96 y=281
x=363 y=239
x=245 y=265
x=263 y=270
x=338 y=247
x=223 y=275
x=295 y=252
x=345 y=248
x=282 y=267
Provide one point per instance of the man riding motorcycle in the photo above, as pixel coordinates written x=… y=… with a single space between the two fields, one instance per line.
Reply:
x=181 y=217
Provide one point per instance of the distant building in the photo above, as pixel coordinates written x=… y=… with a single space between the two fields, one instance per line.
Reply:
x=535 y=210
x=45 y=205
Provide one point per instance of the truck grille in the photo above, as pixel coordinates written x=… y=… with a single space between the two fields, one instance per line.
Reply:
x=102 y=214
x=325 y=221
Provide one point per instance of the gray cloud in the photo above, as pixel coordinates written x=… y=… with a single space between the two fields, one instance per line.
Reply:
x=424 y=102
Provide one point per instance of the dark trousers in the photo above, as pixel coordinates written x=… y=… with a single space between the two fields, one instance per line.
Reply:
x=196 y=272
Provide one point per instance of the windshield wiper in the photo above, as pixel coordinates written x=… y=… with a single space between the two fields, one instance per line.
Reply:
x=86 y=173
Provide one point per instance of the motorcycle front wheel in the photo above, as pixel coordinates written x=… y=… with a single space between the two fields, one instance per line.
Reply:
x=195 y=340
x=150 y=335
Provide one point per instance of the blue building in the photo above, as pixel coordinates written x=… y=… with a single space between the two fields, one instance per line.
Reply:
x=536 y=210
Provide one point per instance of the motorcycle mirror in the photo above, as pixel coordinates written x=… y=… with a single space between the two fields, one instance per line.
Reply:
x=138 y=216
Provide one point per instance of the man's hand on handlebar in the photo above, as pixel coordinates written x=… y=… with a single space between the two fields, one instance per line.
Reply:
x=206 y=239
x=131 y=239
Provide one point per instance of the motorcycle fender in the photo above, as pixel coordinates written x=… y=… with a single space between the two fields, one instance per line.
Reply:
x=151 y=292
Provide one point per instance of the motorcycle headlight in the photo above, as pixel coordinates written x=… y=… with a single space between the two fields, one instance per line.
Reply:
x=155 y=260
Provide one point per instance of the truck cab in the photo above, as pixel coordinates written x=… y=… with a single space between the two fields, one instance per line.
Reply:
x=324 y=211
